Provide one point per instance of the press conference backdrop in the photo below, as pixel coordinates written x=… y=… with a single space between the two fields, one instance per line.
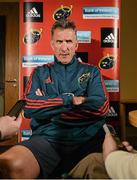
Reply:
x=98 y=24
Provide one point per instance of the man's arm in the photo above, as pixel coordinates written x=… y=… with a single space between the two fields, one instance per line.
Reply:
x=9 y=126
x=96 y=101
x=119 y=164
x=46 y=105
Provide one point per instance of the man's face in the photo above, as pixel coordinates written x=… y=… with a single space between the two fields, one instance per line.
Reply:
x=64 y=44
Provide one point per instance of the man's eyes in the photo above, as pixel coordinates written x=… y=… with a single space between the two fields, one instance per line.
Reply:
x=67 y=41
x=59 y=42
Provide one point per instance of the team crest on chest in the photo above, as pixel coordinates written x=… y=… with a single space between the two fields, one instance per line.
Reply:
x=84 y=77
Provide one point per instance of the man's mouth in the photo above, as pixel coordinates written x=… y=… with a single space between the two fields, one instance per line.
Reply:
x=64 y=55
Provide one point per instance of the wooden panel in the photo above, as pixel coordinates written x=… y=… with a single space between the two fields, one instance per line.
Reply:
x=11 y=12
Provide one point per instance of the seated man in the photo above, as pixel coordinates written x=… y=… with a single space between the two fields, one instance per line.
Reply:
x=113 y=163
x=68 y=103
x=118 y=163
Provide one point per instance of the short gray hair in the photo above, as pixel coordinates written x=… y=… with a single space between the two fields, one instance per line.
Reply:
x=63 y=24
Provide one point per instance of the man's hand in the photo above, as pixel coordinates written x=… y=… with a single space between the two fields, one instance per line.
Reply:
x=110 y=145
x=9 y=126
x=77 y=100
x=128 y=147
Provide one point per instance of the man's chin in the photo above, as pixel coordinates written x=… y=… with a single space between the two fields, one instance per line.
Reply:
x=65 y=60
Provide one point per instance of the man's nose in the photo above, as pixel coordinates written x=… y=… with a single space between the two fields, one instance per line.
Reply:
x=64 y=46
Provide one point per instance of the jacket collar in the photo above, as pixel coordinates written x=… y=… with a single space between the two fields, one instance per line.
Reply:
x=70 y=66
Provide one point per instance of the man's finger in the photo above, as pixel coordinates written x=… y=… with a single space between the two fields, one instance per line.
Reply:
x=19 y=120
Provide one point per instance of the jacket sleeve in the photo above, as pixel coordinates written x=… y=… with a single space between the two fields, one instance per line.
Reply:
x=46 y=105
x=97 y=101
x=121 y=165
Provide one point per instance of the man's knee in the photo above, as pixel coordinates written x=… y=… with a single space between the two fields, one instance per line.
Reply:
x=18 y=162
x=10 y=167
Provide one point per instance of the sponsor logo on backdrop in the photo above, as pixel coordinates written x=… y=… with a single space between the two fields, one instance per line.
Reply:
x=25 y=134
x=110 y=37
x=82 y=56
x=100 y=13
x=107 y=62
x=32 y=36
x=62 y=12
x=33 y=11
x=37 y=60
x=114 y=109
x=112 y=112
x=112 y=85
x=84 y=36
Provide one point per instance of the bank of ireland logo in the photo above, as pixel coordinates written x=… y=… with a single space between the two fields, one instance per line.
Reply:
x=33 y=11
x=110 y=37
x=62 y=12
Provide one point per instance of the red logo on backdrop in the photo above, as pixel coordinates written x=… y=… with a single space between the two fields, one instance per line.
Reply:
x=32 y=37
x=108 y=66
x=62 y=13
x=107 y=62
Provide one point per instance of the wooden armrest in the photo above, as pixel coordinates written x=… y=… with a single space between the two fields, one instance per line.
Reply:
x=133 y=118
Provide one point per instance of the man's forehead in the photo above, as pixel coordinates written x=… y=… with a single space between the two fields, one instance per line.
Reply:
x=66 y=33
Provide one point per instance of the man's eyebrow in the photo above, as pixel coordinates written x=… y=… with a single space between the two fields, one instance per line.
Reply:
x=59 y=40
x=69 y=40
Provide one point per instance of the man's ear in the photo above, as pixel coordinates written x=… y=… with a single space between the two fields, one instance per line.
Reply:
x=51 y=43
x=76 y=45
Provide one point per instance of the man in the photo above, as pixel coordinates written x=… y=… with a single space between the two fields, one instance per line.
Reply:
x=9 y=126
x=68 y=103
x=119 y=164
x=113 y=163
